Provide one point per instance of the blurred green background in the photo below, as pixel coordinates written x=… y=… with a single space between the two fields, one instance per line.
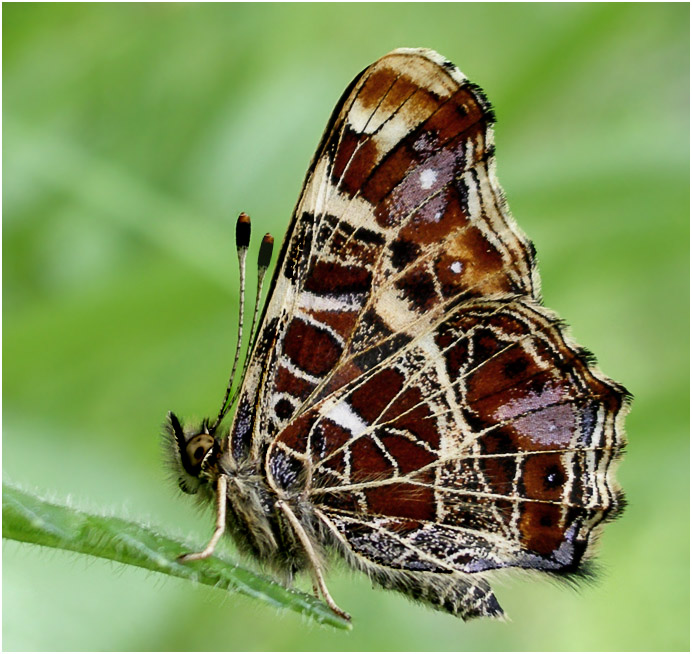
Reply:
x=135 y=133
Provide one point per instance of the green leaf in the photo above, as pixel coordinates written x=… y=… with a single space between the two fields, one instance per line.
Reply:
x=30 y=519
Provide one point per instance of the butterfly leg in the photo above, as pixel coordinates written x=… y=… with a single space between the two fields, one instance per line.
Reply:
x=310 y=551
x=221 y=487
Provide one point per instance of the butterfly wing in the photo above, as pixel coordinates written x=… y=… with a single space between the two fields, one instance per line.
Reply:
x=400 y=217
x=406 y=376
x=487 y=442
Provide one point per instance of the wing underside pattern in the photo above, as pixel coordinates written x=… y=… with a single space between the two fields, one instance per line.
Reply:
x=400 y=213
x=406 y=376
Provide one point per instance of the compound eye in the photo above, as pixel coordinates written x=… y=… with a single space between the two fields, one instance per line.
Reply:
x=197 y=448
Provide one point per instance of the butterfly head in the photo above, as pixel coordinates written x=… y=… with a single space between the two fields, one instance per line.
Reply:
x=192 y=453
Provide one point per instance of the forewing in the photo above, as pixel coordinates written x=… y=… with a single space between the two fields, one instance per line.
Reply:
x=400 y=218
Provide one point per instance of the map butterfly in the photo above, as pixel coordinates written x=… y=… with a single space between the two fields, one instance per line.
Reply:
x=408 y=402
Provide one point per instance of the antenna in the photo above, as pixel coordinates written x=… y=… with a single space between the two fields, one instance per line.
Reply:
x=242 y=241
x=263 y=260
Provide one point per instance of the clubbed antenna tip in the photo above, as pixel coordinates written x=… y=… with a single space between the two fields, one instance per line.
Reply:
x=265 y=252
x=242 y=231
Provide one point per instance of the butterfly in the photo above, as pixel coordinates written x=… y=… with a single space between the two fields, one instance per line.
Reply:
x=408 y=403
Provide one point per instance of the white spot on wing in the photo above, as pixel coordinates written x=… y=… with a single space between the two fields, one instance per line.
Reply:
x=427 y=178
x=455 y=267
x=344 y=416
x=346 y=302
